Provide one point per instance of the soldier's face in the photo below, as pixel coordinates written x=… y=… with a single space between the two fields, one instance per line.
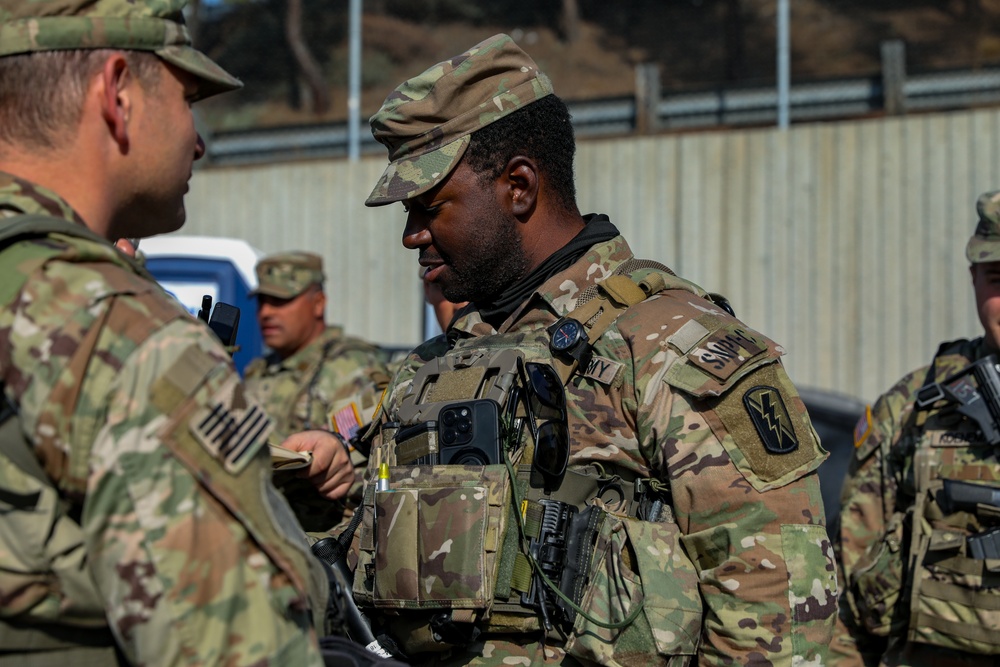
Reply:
x=986 y=283
x=288 y=325
x=164 y=145
x=469 y=243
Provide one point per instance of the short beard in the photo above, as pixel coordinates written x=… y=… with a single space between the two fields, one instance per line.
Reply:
x=494 y=260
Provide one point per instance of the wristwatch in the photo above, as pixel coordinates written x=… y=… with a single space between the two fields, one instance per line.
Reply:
x=568 y=338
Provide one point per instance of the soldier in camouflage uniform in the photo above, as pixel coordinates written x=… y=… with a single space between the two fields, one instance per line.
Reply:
x=915 y=592
x=315 y=377
x=138 y=521
x=688 y=523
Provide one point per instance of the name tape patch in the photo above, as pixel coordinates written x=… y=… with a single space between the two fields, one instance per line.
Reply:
x=602 y=369
x=725 y=351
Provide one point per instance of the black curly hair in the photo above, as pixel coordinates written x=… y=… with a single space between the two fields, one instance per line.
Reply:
x=541 y=131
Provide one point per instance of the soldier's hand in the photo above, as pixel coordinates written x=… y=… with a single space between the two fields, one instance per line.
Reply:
x=331 y=471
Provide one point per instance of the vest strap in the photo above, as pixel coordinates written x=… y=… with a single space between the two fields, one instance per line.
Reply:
x=56 y=645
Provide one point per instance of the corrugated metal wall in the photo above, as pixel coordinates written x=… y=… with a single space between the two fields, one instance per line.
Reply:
x=842 y=241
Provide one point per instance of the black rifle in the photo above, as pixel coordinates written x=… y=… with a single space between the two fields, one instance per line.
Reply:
x=958 y=496
x=975 y=390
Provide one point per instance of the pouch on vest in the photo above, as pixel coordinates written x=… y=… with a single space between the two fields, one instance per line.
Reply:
x=955 y=601
x=432 y=541
x=434 y=544
x=628 y=571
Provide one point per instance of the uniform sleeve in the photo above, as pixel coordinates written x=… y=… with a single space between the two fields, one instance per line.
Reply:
x=182 y=523
x=741 y=468
x=867 y=502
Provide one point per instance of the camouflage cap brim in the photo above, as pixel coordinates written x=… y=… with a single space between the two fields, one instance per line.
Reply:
x=214 y=79
x=981 y=250
x=416 y=174
x=166 y=38
x=276 y=292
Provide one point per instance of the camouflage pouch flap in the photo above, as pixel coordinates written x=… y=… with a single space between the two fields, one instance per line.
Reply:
x=629 y=570
x=436 y=536
x=715 y=352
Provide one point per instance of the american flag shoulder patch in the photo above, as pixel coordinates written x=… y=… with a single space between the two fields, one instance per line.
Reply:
x=863 y=427
x=346 y=421
x=230 y=434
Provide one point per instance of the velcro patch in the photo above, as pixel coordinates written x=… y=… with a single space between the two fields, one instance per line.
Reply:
x=768 y=437
x=230 y=433
x=770 y=417
x=602 y=369
x=725 y=350
x=863 y=427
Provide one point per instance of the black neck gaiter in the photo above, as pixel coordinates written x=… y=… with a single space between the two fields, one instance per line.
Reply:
x=597 y=229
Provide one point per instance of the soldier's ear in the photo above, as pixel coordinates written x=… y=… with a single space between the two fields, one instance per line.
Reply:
x=319 y=305
x=520 y=182
x=115 y=87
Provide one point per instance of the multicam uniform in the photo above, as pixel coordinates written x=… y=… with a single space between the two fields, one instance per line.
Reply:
x=155 y=515
x=914 y=594
x=333 y=383
x=742 y=573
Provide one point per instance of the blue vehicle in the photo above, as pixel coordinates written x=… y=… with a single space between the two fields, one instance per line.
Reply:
x=192 y=267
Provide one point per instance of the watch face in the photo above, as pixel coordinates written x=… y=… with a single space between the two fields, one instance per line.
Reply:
x=566 y=335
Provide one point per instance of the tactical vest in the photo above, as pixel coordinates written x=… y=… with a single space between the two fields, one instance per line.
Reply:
x=927 y=575
x=453 y=548
x=42 y=554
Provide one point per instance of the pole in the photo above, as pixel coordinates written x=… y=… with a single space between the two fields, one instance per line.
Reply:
x=354 y=83
x=784 y=77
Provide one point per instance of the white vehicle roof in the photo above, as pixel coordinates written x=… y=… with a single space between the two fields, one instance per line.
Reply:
x=243 y=255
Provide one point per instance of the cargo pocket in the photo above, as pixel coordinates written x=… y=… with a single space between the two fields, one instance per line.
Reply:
x=812 y=587
x=638 y=563
x=956 y=601
x=875 y=585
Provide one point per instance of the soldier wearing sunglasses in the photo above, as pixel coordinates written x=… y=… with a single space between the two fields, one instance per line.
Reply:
x=598 y=463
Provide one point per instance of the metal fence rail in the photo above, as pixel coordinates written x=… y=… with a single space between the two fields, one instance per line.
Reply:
x=737 y=107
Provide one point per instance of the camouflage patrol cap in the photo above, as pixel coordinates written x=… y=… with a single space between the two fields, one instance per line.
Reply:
x=984 y=246
x=426 y=122
x=29 y=26
x=288 y=274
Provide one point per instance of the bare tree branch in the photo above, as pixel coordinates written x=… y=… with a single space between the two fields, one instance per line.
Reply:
x=308 y=67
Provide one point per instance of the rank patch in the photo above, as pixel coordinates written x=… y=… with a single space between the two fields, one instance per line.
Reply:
x=770 y=418
x=229 y=434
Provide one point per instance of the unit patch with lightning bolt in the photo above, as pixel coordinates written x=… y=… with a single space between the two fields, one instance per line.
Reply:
x=765 y=428
x=768 y=413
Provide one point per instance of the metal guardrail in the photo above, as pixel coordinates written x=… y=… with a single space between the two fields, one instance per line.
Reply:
x=618 y=116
